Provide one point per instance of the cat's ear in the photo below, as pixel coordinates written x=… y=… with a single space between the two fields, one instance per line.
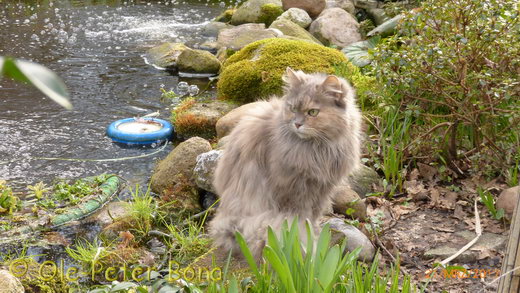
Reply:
x=291 y=77
x=332 y=86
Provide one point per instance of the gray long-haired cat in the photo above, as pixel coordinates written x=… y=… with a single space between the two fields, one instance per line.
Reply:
x=284 y=158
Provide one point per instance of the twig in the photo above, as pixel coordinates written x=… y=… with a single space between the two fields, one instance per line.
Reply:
x=380 y=244
x=478 y=230
x=159 y=233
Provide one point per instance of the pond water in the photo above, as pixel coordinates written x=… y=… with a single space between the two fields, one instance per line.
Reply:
x=97 y=48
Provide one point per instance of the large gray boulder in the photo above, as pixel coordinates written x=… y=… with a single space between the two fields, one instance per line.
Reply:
x=346 y=5
x=212 y=29
x=165 y=55
x=336 y=27
x=313 y=7
x=178 y=166
x=240 y=36
x=289 y=28
x=298 y=16
x=257 y=11
x=198 y=61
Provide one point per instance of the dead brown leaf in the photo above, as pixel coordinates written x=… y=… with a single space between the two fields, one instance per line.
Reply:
x=427 y=172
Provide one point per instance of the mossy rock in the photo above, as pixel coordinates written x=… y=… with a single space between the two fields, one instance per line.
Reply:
x=289 y=28
x=269 y=13
x=192 y=118
x=255 y=72
x=225 y=16
x=165 y=55
x=257 y=11
x=198 y=61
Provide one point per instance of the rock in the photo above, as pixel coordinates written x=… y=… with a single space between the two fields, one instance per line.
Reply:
x=354 y=238
x=488 y=242
x=508 y=200
x=290 y=28
x=109 y=213
x=198 y=61
x=257 y=11
x=209 y=46
x=213 y=28
x=377 y=15
x=362 y=180
x=223 y=54
x=230 y=120
x=173 y=176
x=346 y=5
x=345 y=199
x=255 y=72
x=298 y=16
x=387 y=28
x=336 y=27
x=205 y=168
x=192 y=118
x=225 y=16
x=10 y=283
x=165 y=55
x=366 y=4
x=240 y=36
x=313 y=7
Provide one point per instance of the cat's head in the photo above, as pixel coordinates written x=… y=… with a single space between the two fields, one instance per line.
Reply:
x=315 y=105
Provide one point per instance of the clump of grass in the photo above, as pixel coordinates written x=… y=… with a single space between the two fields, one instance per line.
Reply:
x=142 y=211
x=188 y=242
x=89 y=254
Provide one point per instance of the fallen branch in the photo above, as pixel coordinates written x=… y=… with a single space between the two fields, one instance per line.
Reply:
x=478 y=230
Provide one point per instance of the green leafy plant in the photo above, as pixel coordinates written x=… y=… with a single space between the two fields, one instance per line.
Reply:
x=317 y=266
x=39 y=76
x=8 y=201
x=38 y=189
x=489 y=201
x=358 y=53
x=458 y=62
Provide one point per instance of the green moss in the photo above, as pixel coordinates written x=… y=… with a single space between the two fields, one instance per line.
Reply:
x=255 y=71
x=269 y=12
x=39 y=277
x=368 y=89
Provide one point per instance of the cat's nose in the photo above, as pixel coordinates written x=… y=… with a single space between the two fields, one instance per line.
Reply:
x=297 y=125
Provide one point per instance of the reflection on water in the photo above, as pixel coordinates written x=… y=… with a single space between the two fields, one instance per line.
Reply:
x=96 y=47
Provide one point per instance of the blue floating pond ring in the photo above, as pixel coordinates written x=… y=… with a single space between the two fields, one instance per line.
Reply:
x=140 y=131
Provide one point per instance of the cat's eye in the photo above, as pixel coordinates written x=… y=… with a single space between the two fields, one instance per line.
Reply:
x=313 y=112
x=292 y=108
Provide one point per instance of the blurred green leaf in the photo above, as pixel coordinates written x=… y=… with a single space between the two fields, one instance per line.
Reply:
x=39 y=76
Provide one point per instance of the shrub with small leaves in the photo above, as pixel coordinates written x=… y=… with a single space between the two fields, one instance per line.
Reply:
x=457 y=63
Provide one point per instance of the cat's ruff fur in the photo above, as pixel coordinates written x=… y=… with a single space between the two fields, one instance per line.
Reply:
x=272 y=169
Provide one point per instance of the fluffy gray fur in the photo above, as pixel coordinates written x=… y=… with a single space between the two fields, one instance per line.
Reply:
x=280 y=161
